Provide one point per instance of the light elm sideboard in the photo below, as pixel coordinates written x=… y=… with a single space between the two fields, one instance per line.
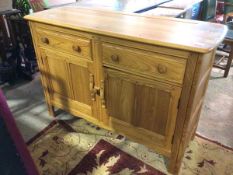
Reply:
x=144 y=77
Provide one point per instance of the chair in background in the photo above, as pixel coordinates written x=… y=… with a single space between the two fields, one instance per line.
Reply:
x=14 y=155
x=228 y=52
x=219 y=12
x=228 y=10
x=225 y=16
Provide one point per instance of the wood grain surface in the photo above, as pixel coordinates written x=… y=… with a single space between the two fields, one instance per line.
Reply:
x=144 y=77
x=182 y=34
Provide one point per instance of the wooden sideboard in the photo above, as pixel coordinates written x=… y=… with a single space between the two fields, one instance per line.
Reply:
x=144 y=77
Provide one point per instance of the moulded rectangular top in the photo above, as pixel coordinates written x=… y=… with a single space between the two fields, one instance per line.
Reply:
x=190 y=35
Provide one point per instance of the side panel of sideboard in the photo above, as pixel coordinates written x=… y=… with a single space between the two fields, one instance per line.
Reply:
x=195 y=85
x=43 y=71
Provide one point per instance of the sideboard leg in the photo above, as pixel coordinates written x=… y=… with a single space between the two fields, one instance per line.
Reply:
x=175 y=161
x=194 y=133
x=51 y=110
x=174 y=167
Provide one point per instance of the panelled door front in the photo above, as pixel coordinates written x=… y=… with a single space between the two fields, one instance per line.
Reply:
x=57 y=74
x=71 y=82
x=141 y=107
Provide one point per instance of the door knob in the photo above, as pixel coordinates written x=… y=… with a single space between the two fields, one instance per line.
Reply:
x=162 y=69
x=77 y=48
x=45 y=40
x=115 y=58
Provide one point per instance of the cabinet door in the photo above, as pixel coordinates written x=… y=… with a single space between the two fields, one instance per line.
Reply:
x=141 y=108
x=57 y=74
x=82 y=82
x=69 y=82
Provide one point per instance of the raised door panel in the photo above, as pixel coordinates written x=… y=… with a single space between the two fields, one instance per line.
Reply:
x=57 y=74
x=145 y=107
x=152 y=107
x=80 y=78
x=69 y=83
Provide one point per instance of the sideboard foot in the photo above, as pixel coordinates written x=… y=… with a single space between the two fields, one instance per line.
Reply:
x=173 y=169
x=51 y=110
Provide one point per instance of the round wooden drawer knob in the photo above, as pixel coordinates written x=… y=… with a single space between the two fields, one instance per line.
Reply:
x=45 y=40
x=162 y=69
x=77 y=49
x=115 y=58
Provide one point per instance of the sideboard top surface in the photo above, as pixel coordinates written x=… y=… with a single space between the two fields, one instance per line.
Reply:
x=196 y=36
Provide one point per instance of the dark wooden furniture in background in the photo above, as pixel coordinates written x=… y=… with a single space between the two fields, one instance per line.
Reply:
x=228 y=9
x=8 y=48
x=17 y=56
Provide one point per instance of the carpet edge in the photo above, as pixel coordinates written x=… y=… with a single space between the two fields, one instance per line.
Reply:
x=214 y=142
x=31 y=140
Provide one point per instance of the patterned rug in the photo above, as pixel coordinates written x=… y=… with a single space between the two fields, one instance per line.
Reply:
x=81 y=148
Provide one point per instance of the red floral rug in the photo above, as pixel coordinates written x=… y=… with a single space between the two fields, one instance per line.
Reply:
x=106 y=158
x=81 y=148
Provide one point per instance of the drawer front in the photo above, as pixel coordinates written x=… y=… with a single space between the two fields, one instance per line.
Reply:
x=160 y=66
x=71 y=44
